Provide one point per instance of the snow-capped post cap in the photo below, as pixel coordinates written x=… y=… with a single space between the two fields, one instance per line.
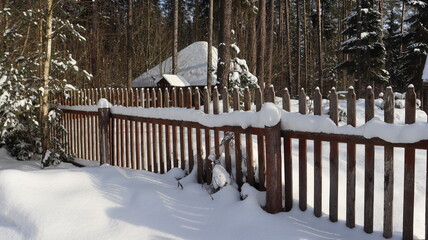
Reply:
x=389 y=87
x=351 y=88
x=411 y=86
x=369 y=87
x=317 y=88
x=103 y=103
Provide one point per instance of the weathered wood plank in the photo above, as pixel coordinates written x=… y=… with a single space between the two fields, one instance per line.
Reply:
x=350 y=161
x=174 y=131
x=216 y=111
x=260 y=144
x=273 y=172
x=167 y=132
x=189 y=132
x=388 y=107
x=208 y=163
x=160 y=103
x=199 y=159
x=238 y=150
x=249 y=141
x=369 y=167
x=226 y=143
x=409 y=169
x=317 y=159
x=182 y=142
x=334 y=160
x=302 y=157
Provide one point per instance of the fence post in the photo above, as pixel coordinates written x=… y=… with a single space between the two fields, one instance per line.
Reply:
x=273 y=169
x=104 y=126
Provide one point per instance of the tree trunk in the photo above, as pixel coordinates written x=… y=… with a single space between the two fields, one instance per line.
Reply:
x=46 y=69
x=270 y=41
x=298 y=49
x=94 y=41
x=253 y=44
x=210 y=45
x=319 y=29
x=129 y=48
x=403 y=13
x=358 y=76
x=282 y=83
x=223 y=66
x=261 y=45
x=175 y=40
x=288 y=46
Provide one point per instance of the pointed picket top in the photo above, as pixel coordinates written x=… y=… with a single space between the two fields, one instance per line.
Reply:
x=317 y=101
x=410 y=108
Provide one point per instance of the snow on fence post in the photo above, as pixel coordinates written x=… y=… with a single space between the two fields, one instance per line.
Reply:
x=302 y=157
x=286 y=100
x=273 y=169
x=369 y=167
x=104 y=126
x=334 y=160
x=388 y=107
x=409 y=168
x=317 y=159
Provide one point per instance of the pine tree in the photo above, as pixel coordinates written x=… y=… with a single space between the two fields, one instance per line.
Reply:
x=364 y=46
x=416 y=46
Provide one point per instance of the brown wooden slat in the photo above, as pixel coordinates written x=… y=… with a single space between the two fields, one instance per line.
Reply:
x=154 y=134
x=137 y=135
x=350 y=161
x=273 y=172
x=208 y=163
x=174 y=131
x=182 y=142
x=249 y=141
x=286 y=100
x=260 y=143
x=409 y=169
x=317 y=159
x=334 y=160
x=302 y=157
x=369 y=168
x=199 y=160
x=238 y=150
x=161 y=136
x=167 y=133
x=389 y=105
x=189 y=131
x=216 y=111
x=227 y=156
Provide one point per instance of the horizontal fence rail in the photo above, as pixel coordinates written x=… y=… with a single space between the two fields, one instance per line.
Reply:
x=159 y=144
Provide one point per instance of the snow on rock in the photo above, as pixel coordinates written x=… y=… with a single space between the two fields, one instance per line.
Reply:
x=104 y=103
x=220 y=177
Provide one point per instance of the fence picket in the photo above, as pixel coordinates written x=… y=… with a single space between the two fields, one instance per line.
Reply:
x=238 y=151
x=389 y=105
x=161 y=136
x=167 y=132
x=260 y=143
x=409 y=168
x=334 y=160
x=350 y=161
x=226 y=142
x=302 y=157
x=199 y=159
x=369 y=167
x=174 y=131
x=216 y=111
x=249 y=141
x=317 y=159
x=208 y=163
x=182 y=147
x=189 y=131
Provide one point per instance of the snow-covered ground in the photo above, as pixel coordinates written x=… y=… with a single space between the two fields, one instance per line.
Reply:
x=114 y=203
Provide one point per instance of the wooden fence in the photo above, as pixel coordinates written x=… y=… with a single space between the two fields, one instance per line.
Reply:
x=157 y=145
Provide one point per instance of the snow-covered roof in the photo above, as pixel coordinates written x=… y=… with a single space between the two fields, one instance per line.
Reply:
x=425 y=72
x=192 y=66
x=175 y=80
